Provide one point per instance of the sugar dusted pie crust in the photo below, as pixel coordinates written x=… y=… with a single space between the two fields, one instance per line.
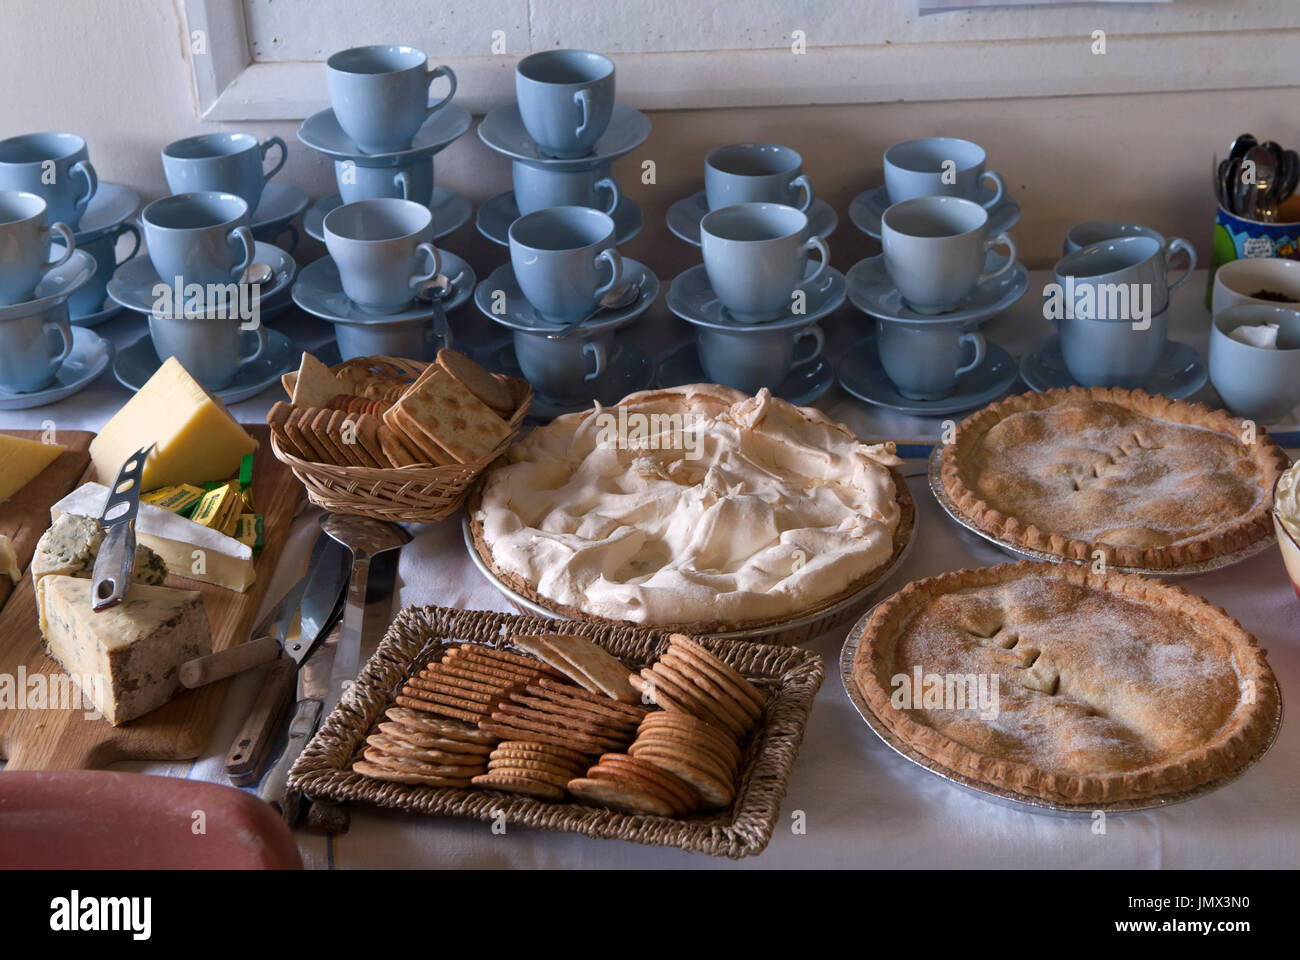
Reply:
x=1147 y=481
x=780 y=429
x=1111 y=686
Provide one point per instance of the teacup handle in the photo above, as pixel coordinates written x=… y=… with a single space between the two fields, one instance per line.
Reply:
x=808 y=195
x=1000 y=188
x=244 y=236
x=83 y=168
x=582 y=99
x=65 y=334
x=1002 y=239
x=402 y=181
x=430 y=251
x=265 y=147
x=818 y=244
x=610 y=256
x=441 y=71
x=69 y=242
x=1171 y=248
x=124 y=228
x=977 y=340
x=607 y=183
x=819 y=343
x=261 y=345
x=596 y=352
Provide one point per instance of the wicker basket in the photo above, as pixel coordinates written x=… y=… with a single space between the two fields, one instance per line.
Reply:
x=789 y=678
x=414 y=494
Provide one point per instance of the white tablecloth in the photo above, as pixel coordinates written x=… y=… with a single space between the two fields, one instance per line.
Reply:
x=863 y=805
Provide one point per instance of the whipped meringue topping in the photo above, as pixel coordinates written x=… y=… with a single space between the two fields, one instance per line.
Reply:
x=1286 y=499
x=695 y=504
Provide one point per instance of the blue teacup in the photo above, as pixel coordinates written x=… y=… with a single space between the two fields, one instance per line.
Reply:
x=924 y=358
x=939 y=167
x=407 y=181
x=33 y=347
x=562 y=370
x=90 y=298
x=415 y=339
x=537 y=188
x=25 y=235
x=1256 y=382
x=756 y=255
x=1113 y=353
x=380 y=94
x=198 y=238
x=559 y=255
x=756 y=173
x=221 y=162
x=212 y=349
x=55 y=167
x=749 y=358
x=383 y=249
x=566 y=98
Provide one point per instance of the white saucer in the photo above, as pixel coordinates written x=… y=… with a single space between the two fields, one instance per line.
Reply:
x=1181 y=371
x=90 y=356
x=319 y=291
x=862 y=375
x=630 y=370
x=138 y=362
x=520 y=314
x=803 y=386
x=133 y=282
x=685 y=215
x=450 y=212
x=495 y=216
x=321 y=132
x=691 y=297
x=872 y=292
x=503 y=130
x=280 y=203
x=55 y=287
x=867 y=208
x=112 y=204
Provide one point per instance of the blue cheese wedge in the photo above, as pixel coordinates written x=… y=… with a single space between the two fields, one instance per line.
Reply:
x=130 y=655
x=188 y=549
x=71 y=544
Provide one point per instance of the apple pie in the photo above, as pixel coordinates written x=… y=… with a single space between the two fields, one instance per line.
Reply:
x=1147 y=481
x=1071 y=686
x=698 y=508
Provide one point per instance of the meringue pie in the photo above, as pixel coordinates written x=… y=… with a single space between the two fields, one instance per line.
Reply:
x=697 y=507
x=1144 y=480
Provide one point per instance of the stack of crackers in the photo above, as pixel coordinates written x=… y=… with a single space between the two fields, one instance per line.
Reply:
x=537 y=770
x=411 y=746
x=470 y=681
x=453 y=412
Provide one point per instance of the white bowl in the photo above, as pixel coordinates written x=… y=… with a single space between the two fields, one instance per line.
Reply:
x=1238 y=280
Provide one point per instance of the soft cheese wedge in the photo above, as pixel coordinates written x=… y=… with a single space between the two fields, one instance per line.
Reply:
x=189 y=549
x=21 y=460
x=125 y=659
x=196 y=439
x=8 y=560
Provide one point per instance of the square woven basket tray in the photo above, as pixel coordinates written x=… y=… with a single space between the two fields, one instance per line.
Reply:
x=789 y=677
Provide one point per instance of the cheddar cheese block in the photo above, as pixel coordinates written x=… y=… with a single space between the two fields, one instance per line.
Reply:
x=21 y=460
x=195 y=437
x=125 y=659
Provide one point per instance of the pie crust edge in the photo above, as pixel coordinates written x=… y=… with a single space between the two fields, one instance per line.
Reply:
x=1248 y=529
x=1235 y=745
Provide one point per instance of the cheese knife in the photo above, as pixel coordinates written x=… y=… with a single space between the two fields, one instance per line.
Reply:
x=116 y=559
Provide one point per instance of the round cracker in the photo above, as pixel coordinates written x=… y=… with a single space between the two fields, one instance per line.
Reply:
x=532 y=766
x=712 y=684
x=690 y=648
x=383 y=773
x=714 y=790
x=451 y=729
x=620 y=794
x=693 y=726
x=704 y=706
x=684 y=797
x=514 y=784
x=692 y=747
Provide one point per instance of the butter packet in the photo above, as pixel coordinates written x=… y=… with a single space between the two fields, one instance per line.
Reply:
x=180 y=498
x=219 y=508
x=251 y=531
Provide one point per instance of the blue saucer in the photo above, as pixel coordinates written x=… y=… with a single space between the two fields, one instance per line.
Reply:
x=450 y=212
x=862 y=375
x=109 y=309
x=495 y=216
x=320 y=292
x=520 y=314
x=802 y=387
x=503 y=130
x=685 y=215
x=90 y=356
x=872 y=292
x=321 y=132
x=867 y=208
x=280 y=203
x=629 y=370
x=133 y=282
x=138 y=362
x=55 y=287
x=113 y=204
x=1180 y=374
x=691 y=297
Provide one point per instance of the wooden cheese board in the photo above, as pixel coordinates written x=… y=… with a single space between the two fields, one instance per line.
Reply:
x=26 y=515
x=45 y=739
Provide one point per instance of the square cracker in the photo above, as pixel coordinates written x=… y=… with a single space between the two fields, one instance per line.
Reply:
x=585 y=663
x=415 y=438
x=447 y=412
x=492 y=391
